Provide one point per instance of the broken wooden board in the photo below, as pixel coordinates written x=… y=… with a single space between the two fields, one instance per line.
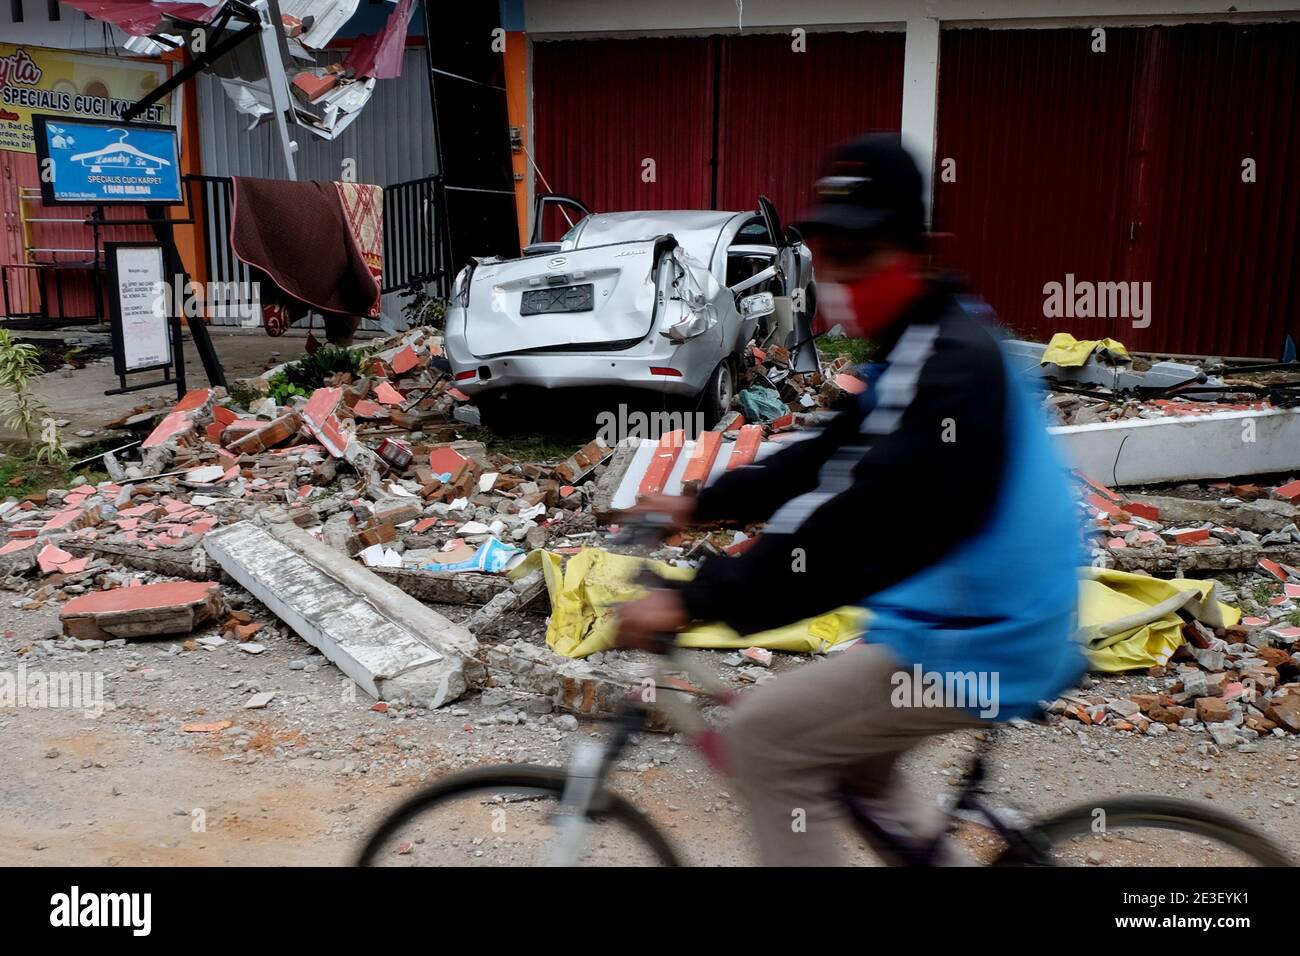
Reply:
x=389 y=643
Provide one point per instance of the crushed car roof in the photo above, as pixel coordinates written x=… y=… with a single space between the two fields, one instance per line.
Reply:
x=696 y=230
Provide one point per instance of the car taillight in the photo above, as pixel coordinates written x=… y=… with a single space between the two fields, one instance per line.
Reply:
x=663 y=370
x=462 y=376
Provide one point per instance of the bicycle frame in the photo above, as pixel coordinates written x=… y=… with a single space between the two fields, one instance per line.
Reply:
x=593 y=763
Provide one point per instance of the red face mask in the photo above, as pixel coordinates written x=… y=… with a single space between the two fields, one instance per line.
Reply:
x=866 y=307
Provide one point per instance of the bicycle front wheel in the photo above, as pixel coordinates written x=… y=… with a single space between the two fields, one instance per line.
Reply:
x=510 y=815
x=1145 y=831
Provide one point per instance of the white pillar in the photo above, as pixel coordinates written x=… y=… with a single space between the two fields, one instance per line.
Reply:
x=921 y=97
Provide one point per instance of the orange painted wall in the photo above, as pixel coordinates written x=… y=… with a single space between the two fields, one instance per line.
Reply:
x=189 y=239
x=516 y=57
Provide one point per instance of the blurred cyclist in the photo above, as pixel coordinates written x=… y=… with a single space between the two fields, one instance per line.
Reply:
x=934 y=499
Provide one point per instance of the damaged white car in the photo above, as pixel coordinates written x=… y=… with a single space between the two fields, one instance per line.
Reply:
x=664 y=300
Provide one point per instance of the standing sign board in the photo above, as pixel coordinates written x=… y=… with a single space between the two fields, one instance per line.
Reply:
x=146 y=335
x=93 y=162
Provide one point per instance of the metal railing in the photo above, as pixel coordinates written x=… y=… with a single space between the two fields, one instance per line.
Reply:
x=415 y=248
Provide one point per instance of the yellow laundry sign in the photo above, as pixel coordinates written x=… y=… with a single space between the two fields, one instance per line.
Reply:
x=36 y=80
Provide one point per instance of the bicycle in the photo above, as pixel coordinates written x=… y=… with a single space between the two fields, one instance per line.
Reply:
x=582 y=799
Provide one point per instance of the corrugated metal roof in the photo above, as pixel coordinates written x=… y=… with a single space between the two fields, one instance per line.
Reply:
x=391 y=141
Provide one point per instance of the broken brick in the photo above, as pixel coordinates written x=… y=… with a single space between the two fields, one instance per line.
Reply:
x=662 y=462
x=173 y=607
x=746 y=447
x=701 y=462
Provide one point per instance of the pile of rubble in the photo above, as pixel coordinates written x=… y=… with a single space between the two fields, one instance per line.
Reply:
x=1220 y=526
x=349 y=511
x=1237 y=683
x=1074 y=409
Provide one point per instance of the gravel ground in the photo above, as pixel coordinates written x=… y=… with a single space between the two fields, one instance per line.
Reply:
x=303 y=780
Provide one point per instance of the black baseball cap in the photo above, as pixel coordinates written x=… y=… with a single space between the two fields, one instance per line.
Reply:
x=871 y=189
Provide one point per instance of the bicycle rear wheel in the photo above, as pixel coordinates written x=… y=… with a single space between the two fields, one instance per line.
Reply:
x=1146 y=831
x=509 y=815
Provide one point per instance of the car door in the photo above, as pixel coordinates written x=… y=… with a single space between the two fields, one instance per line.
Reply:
x=800 y=343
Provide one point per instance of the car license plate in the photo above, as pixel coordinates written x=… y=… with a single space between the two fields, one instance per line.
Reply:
x=569 y=298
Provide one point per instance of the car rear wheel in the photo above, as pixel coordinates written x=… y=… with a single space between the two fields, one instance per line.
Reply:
x=719 y=393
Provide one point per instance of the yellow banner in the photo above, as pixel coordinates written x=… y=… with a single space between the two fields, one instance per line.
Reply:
x=36 y=80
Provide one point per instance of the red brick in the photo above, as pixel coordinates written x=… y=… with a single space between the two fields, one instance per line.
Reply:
x=388 y=395
x=1187 y=535
x=1099 y=488
x=404 y=361
x=1272 y=568
x=661 y=462
x=268 y=436
x=701 y=463
x=1289 y=492
x=746 y=447
x=144 y=598
x=446 y=460
x=1137 y=508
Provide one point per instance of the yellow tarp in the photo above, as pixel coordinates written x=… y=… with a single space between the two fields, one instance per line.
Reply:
x=1129 y=621
x=1126 y=621
x=585 y=589
x=1068 y=352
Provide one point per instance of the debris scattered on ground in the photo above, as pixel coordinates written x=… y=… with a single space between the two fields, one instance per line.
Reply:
x=346 y=501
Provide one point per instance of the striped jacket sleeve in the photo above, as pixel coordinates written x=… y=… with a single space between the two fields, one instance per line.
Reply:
x=918 y=475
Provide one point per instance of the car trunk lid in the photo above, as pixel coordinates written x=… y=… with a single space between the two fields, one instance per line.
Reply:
x=601 y=297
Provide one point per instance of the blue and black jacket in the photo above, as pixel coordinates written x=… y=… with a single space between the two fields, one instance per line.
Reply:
x=935 y=499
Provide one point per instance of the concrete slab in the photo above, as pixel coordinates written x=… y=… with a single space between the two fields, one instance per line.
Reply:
x=173 y=607
x=1184 y=448
x=390 y=644
x=626 y=493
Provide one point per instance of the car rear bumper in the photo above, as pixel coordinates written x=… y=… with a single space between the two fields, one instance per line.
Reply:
x=571 y=370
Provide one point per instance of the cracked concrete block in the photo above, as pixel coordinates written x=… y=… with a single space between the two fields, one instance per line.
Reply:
x=390 y=644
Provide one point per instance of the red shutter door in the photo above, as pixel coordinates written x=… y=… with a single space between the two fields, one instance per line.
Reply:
x=1222 y=254
x=1034 y=126
x=1127 y=166
x=602 y=108
x=782 y=110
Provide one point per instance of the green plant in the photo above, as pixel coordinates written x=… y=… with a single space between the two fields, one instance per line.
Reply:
x=51 y=450
x=424 y=309
x=20 y=363
x=312 y=371
x=857 y=350
x=1262 y=592
x=280 y=389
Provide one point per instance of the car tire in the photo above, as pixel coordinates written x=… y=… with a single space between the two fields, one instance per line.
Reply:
x=494 y=410
x=719 y=393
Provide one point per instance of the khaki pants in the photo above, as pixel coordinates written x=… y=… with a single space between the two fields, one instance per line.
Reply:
x=793 y=742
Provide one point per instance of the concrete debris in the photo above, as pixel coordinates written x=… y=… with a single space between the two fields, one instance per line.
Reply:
x=520 y=594
x=175 y=607
x=340 y=515
x=391 y=645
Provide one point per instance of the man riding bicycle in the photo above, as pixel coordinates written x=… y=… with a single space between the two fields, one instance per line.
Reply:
x=934 y=498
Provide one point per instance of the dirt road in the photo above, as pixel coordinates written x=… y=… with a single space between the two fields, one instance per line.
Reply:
x=302 y=781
